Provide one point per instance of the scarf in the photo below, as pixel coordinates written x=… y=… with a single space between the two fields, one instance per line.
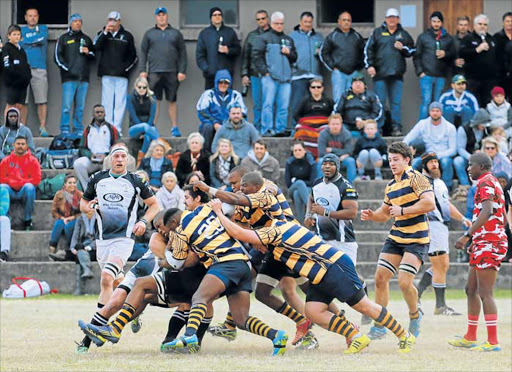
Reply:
x=194 y=160
x=156 y=164
x=72 y=202
x=223 y=169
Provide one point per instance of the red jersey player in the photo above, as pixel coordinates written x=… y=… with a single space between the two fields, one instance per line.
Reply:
x=488 y=248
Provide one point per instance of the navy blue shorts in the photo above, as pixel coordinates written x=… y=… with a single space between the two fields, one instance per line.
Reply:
x=392 y=247
x=236 y=276
x=340 y=282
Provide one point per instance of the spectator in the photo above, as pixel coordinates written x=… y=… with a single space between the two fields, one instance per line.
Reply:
x=371 y=151
x=342 y=53
x=357 y=105
x=73 y=53
x=20 y=174
x=274 y=54
x=385 y=54
x=193 y=177
x=462 y=31
x=163 y=60
x=221 y=163
x=469 y=139
x=433 y=59
x=500 y=162
x=170 y=195
x=194 y=159
x=336 y=139
x=238 y=131
x=65 y=211
x=16 y=73
x=439 y=136
x=503 y=40
x=213 y=106
x=481 y=67
x=315 y=103
x=499 y=134
x=83 y=246
x=500 y=110
x=299 y=175
x=142 y=109
x=118 y=57
x=307 y=43
x=5 y=224
x=12 y=129
x=95 y=145
x=34 y=40
x=258 y=159
x=131 y=166
x=249 y=73
x=459 y=105
x=155 y=164
x=217 y=48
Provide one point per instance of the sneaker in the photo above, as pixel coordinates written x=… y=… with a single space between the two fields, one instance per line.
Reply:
x=414 y=325
x=175 y=131
x=486 y=346
x=182 y=345
x=302 y=329
x=81 y=348
x=378 y=177
x=269 y=133
x=102 y=332
x=365 y=320
x=80 y=133
x=358 y=344
x=280 y=343
x=220 y=330
x=376 y=333
x=396 y=132
x=136 y=324
x=43 y=132
x=98 y=340
x=4 y=257
x=309 y=342
x=406 y=342
x=29 y=226
x=365 y=178
x=358 y=178
x=57 y=256
x=460 y=341
x=445 y=310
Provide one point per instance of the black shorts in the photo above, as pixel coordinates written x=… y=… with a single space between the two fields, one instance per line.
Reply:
x=236 y=276
x=392 y=247
x=275 y=269
x=180 y=286
x=14 y=95
x=340 y=282
x=256 y=258
x=160 y=82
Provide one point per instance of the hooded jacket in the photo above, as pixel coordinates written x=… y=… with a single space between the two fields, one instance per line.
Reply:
x=16 y=171
x=441 y=139
x=73 y=65
x=8 y=135
x=242 y=137
x=16 y=68
x=425 y=60
x=380 y=53
x=301 y=169
x=268 y=166
x=479 y=66
x=365 y=106
x=118 y=54
x=307 y=44
x=212 y=106
x=343 y=51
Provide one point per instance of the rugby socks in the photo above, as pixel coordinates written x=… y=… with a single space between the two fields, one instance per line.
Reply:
x=123 y=318
x=439 y=289
x=472 y=327
x=414 y=315
x=385 y=319
x=342 y=327
x=256 y=326
x=97 y=320
x=203 y=327
x=195 y=316
x=176 y=323
x=491 y=321
x=291 y=313
x=229 y=323
x=425 y=281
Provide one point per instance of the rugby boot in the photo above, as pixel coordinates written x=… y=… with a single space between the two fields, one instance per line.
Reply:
x=98 y=340
x=460 y=341
x=302 y=328
x=486 y=346
x=220 y=330
x=445 y=310
x=104 y=332
x=280 y=343
x=415 y=325
x=406 y=342
x=358 y=344
x=183 y=345
x=377 y=332
x=136 y=324
x=309 y=342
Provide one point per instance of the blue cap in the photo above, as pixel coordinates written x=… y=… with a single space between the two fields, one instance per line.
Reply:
x=160 y=9
x=74 y=17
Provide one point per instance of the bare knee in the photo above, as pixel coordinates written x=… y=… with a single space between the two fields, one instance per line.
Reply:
x=381 y=280
x=471 y=291
x=262 y=292
x=288 y=290
x=106 y=281
x=405 y=282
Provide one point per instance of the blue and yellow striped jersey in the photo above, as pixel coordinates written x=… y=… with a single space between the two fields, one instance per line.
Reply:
x=263 y=209
x=411 y=228
x=299 y=249
x=281 y=199
x=202 y=232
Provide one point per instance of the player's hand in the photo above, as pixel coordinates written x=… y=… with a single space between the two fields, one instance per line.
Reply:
x=366 y=215
x=181 y=77
x=162 y=262
x=309 y=222
x=315 y=208
x=216 y=206
x=201 y=186
x=140 y=228
x=395 y=211
x=462 y=242
x=260 y=247
x=92 y=206
x=467 y=223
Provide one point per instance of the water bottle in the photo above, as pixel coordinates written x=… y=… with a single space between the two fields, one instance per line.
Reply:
x=460 y=254
x=82 y=45
x=221 y=43
x=245 y=90
x=438 y=45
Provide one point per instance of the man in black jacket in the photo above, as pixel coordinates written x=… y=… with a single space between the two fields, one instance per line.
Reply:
x=217 y=48
x=433 y=58
x=385 y=53
x=342 y=53
x=462 y=31
x=73 y=53
x=504 y=42
x=118 y=57
x=249 y=74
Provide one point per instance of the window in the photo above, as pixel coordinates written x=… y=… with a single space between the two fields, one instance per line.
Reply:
x=361 y=10
x=197 y=12
x=51 y=12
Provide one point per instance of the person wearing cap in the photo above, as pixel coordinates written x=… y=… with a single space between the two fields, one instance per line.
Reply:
x=163 y=61
x=357 y=105
x=217 y=48
x=433 y=60
x=342 y=54
x=462 y=31
x=384 y=57
x=439 y=136
x=469 y=139
x=118 y=58
x=459 y=105
x=503 y=46
x=500 y=110
x=315 y=103
x=482 y=68
x=74 y=51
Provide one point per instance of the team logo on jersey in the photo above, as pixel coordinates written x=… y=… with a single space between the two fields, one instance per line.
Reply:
x=113 y=197
x=322 y=201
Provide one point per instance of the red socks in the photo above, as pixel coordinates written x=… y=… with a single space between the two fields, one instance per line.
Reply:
x=491 y=321
x=472 y=326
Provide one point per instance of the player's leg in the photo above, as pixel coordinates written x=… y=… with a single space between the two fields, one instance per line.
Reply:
x=408 y=269
x=177 y=321
x=486 y=279
x=440 y=266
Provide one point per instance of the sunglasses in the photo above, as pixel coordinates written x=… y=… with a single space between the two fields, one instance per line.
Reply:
x=261 y=19
x=224 y=82
x=490 y=148
x=99 y=112
x=142 y=87
x=316 y=86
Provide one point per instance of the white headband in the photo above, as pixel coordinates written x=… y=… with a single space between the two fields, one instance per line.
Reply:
x=117 y=149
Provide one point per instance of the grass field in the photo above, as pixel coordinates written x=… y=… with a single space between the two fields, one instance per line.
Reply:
x=38 y=335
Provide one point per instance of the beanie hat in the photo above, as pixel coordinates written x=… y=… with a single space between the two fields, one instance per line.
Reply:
x=497 y=90
x=502 y=174
x=215 y=9
x=333 y=159
x=436 y=105
x=425 y=158
x=75 y=17
x=437 y=14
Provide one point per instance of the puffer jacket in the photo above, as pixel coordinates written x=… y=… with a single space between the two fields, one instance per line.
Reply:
x=73 y=65
x=248 y=68
x=307 y=46
x=365 y=106
x=425 y=60
x=343 y=51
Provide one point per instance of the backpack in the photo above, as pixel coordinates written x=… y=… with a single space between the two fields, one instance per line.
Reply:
x=61 y=159
x=49 y=186
x=29 y=288
x=65 y=141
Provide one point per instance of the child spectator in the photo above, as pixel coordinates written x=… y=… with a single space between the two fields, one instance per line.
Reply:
x=370 y=150
x=83 y=246
x=500 y=110
x=501 y=136
x=221 y=163
x=170 y=195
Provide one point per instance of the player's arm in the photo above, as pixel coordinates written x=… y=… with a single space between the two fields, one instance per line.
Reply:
x=482 y=218
x=349 y=211
x=192 y=260
x=153 y=209
x=224 y=196
x=456 y=215
x=425 y=204
x=380 y=215
x=309 y=221
x=176 y=252
x=88 y=206
x=157 y=245
x=234 y=230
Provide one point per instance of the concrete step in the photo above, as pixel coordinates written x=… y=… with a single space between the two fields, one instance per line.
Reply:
x=61 y=275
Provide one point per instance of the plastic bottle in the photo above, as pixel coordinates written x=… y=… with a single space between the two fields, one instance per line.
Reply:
x=221 y=42
x=245 y=90
x=82 y=45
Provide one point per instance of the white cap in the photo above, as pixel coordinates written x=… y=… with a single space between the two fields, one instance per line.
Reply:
x=114 y=15
x=392 y=12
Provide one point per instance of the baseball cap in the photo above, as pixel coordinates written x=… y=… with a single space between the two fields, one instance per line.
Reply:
x=161 y=9
x=458 y=79
x=392 y=12
x=114 y=15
